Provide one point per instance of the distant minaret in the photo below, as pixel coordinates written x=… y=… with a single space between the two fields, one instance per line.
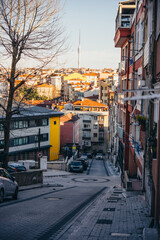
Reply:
x=79 y=49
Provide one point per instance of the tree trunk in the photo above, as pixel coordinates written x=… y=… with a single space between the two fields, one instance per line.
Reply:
x=7 y=121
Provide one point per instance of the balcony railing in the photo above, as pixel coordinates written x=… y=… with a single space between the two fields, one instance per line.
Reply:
x=101 y=129
x=85 y=120
x=86 y=138
x=101 y=139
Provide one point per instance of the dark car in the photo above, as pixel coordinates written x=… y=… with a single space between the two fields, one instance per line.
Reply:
x=76 y=166
x=89 y=155
x=84 y=163
x=15 y=167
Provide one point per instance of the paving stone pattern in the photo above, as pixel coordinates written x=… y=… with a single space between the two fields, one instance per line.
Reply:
x=114 y=216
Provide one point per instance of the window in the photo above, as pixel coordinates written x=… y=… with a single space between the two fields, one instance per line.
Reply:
x=20 y=141
x=20 y=124
x=101 y=135
x=94 y=134
x=95 y=126
x=1 y=144
x=44 y=122
x=101 y=118
x=1 y=127
x=43 y=137
x=95 y=117
x=86 y=134
x=55 y=122
x=86 y=126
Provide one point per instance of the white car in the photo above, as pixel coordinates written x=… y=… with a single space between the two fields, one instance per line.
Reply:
x=99 y=156
x=8 y=185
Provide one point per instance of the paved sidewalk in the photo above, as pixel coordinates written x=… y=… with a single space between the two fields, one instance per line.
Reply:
x=116 y=215
x=55 y=173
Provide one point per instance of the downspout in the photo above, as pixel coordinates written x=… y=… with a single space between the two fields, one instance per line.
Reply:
x=127 y=118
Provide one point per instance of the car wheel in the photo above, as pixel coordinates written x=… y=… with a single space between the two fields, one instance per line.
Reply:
x=1 y=195
x=15 y=196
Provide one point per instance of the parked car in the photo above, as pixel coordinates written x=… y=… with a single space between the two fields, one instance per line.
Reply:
x=99 y=156
x=76 y=166
x=84 y=163
x=84 y=160
x=8 y=185
x=15 y=167
x=84 y=157
x=89 y=155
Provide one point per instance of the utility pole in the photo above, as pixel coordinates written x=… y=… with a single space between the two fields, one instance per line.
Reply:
x=39 y=141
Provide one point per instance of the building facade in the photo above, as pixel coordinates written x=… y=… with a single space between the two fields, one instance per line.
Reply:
x=34 y=130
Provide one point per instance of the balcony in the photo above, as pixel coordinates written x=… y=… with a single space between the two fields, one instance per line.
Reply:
x=101 y=139
x=124 y=22
x=86 y=120
x=101 y=129
x=86 y=129
x=86 y=138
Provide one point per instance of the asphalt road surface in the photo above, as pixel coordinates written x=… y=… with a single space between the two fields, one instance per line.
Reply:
x=40 y=213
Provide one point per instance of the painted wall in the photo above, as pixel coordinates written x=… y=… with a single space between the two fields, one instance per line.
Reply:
x=54 y=138
x=66 y=134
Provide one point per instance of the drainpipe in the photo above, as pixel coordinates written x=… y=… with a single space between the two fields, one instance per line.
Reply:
x=157 y=185
x=127 y=118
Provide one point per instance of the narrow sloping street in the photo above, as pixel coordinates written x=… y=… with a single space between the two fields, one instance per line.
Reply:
x=91 y=205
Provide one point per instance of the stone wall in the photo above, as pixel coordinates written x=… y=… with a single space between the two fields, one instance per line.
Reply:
x=28 y=177
x=57 y=165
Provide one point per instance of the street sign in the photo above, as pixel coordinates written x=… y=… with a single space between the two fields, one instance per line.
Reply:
x=74 y=148
x=39 y=154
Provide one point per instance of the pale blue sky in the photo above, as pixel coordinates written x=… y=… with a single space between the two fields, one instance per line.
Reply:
x=96 y=21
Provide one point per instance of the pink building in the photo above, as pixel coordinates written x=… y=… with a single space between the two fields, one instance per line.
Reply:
x=69 y=129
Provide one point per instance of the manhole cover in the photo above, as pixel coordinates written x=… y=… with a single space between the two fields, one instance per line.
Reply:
x=104 y=221
x=90 y=180
x=53 y=198
x=121 y=234
x=109 y=209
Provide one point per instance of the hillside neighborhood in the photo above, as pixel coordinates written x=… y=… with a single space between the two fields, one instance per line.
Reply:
x=61 y=117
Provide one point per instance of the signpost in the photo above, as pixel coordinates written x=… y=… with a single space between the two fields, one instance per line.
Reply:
x=39 y=154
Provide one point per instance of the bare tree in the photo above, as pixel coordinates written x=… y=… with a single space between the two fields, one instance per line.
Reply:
x=28 y=28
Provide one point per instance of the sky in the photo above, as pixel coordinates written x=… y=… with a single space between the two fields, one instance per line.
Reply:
x=95 y=20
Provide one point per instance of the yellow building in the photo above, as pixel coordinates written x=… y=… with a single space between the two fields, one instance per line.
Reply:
x=74 y=76
x=54 y=137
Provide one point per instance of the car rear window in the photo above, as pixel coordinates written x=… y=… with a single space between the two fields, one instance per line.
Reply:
x=76 y=163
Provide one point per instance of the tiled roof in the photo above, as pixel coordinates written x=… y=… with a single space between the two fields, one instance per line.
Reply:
x=44 y=85
x=65 y=119
x=34 y=102
x=89 y=103
x=90 y=74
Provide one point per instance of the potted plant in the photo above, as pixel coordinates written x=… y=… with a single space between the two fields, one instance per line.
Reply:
x=142 y=121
